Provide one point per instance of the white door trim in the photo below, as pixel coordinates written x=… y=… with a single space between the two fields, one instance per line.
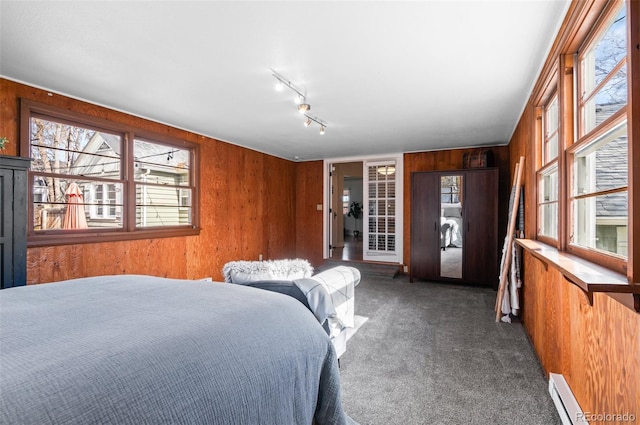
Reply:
x=326 y=188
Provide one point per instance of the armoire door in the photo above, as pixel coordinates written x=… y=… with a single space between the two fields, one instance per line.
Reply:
x=425 y=226
x=480 y=256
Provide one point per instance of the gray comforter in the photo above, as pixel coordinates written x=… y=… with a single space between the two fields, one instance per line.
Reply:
x=146 y=350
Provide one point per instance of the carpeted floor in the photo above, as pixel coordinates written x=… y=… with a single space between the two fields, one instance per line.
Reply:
x=429 y=353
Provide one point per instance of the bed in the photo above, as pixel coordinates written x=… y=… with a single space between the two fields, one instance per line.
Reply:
x=451 y=224
x=136 y=349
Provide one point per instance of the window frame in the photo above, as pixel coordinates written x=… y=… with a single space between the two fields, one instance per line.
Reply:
x=562 y=75
x=609 y=260
x=129 y=230
x=552 y=91
x=585 y=138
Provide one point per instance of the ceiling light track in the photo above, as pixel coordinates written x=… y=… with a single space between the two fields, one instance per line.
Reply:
x=310 y=118
x=300 y=99
x=283 y=82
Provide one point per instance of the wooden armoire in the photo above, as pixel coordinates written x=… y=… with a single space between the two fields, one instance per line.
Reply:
x=477 y=197
x=13 y=221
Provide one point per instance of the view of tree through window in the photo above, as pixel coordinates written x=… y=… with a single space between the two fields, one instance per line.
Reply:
x=86 y=179
x=75 y=171
x=599 y=198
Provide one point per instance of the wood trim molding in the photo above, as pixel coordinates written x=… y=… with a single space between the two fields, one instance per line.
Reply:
x=633 y=128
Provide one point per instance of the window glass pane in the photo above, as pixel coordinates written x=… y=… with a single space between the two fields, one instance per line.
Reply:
x=548 y=215
x=548 y=185
x=75 y=204
x=72 y=150
x=392 y=187
x=606 y=52
x=450 y=189
x=161 y=164
x=391 y=242
x=551 y=121
x=597 y=64
x=602 y=164
x=550 y=150
x=161 y=206
x=608 y=100
x=601 y=223
x=548 y=202
x=372 y=190
x=382 y=189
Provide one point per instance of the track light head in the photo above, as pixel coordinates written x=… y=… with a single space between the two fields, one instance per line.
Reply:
x=303 y=108
x=307 y=123
x=279 y=85
x=322 y=129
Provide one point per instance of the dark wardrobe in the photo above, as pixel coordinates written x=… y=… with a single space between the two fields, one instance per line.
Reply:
x=454 y=226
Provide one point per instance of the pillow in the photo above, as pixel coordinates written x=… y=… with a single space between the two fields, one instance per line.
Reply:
x=243 y=272
x=246 y=277
x=452 y=212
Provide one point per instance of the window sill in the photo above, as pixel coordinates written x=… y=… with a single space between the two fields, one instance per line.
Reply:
x=587 y=276
x=80 y=237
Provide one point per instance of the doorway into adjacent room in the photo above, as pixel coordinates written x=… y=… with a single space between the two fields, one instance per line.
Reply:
x=347 y=223
x=363 y=198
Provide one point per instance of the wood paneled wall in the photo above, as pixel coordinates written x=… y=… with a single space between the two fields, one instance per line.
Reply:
x=596 y=348
x=247 y=207
x=309 y=178
x=452 y=160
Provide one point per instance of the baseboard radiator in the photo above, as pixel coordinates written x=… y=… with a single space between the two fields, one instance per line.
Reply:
x=567 y=405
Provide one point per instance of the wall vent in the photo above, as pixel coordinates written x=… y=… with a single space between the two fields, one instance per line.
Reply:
x=567 y=405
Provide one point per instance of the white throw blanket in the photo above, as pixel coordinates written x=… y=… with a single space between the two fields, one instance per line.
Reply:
x=330 y=295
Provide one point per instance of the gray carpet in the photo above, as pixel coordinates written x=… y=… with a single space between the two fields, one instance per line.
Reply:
x=433 y=354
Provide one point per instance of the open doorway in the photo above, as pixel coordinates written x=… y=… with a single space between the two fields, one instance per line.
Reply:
x=376 y=183
x=347 y=225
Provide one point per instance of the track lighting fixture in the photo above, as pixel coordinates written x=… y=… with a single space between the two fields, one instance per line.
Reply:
x=300 y=99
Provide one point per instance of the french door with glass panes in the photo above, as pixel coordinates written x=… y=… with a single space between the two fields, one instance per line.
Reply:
x=381 y=240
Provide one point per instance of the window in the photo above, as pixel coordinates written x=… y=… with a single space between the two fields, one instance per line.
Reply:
x=550 y=139
x=598 y=162
x=102 y=199
x=346 y=201
x=603 y=72
x=582 y=156
x=450 y=189
x=80 y=186
x=548 y=174
x=599 y=192
x=548 y=202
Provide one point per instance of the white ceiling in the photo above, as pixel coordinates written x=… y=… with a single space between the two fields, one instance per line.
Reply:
x=385 y=76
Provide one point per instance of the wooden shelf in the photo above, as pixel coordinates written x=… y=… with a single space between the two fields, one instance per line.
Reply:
x=587 y=276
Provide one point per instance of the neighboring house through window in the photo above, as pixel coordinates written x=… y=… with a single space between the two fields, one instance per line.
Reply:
x=84 y=166
x=598 y=165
